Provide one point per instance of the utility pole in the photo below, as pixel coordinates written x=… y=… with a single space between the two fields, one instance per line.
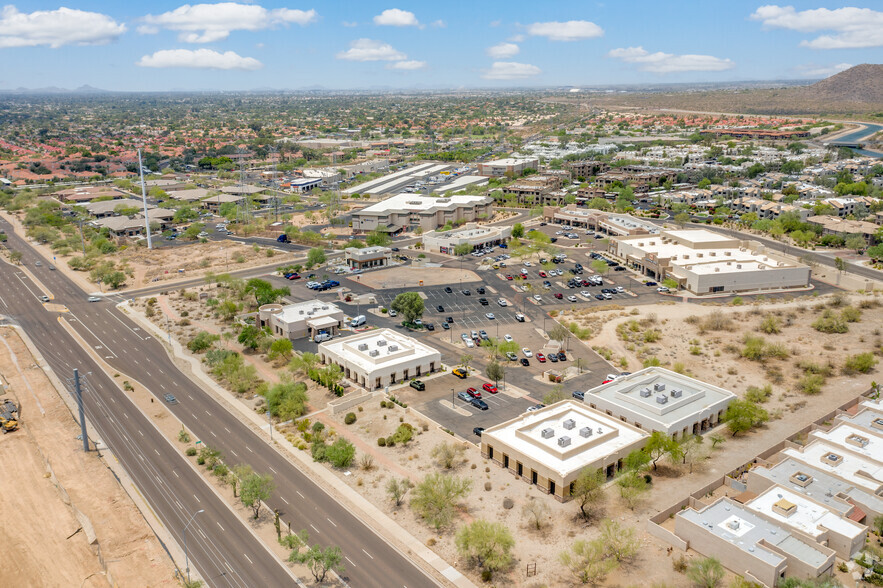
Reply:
x=80 y=408
x=186 y=558
x=144 y=200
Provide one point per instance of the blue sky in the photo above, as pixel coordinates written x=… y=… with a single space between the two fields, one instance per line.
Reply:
x=162 y=45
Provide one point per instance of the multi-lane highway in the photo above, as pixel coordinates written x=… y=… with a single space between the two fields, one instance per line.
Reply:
x=222 y=549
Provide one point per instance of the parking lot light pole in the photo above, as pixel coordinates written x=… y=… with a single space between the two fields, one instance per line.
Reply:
x=452 y=398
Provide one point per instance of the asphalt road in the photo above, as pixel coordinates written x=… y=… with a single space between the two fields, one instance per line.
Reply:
x=370 y=561
x=219 y=544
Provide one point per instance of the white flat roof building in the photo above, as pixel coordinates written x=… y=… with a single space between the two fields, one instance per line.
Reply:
x=511 y=165
x=406 y=211
x=703 y=261
x=379 y=358
x=841 y=463
x=474 y=235
x=551 y=446
x=657 y=399
x=302 y=319
x=803 y=514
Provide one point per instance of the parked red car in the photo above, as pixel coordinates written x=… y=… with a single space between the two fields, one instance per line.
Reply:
x=541 y=358
x=489 y=388
x=473 y=392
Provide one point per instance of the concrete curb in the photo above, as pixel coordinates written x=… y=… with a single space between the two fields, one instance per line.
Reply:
x=385 y=528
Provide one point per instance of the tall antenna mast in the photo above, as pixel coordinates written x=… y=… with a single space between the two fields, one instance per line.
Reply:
x=144 y=200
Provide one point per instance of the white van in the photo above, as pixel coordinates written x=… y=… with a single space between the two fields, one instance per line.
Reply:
x=358 y=321
x=322 y=337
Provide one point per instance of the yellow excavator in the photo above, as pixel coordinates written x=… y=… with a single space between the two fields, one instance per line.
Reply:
x=8 y=415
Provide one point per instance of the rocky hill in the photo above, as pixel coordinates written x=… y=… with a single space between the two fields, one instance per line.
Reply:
x=859 y=84
x=856 y=91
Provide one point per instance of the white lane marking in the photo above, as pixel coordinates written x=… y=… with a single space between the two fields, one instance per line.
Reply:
x=193 y=415
x=161 y=386
x=330 y=521
x=274 y=471
x=226 y=429
x=94 y=335
x=248 y=558
x=249 y=448
x=140 y=433
x=155 y=451
x=208 y=413
x=125 y=415
x=213 y=433
x=283 y=499
x=299 y=494
x=222 y=528
x=234 y=453
x=349 y=560
x=197 y=498
x=201 y=533
x=176 y=474
x=121 y=322
x=314 y=528
x=368 y=554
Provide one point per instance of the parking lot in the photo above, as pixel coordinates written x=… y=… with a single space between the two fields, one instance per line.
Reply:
x=501 y=406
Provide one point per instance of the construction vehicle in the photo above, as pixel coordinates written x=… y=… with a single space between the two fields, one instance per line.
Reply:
x=8 y=416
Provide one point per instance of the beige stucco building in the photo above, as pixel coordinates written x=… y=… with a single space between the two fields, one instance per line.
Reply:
x=303 y=319
x=551 y=446
x=368 y=257
x=379 y=358
x=704 y=262
x=407 y=212
x=474 y=235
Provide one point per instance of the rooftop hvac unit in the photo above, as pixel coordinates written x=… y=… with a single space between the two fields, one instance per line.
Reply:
x=393 y=348
x=659 y=387
x=381 y=343
x=645 y=392
x=569 y=424
x=563 y=441
x=661 y=399
x=585 y=432
x=373 y=353
x=677 y=393
x=548 y=433
x=600 y=430
x=301 y=312
x=363 y=347
x=324 y=308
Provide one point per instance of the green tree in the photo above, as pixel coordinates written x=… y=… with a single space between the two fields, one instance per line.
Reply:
x=447 y=454
x=254 y=489
x=658 y=445
x=557 y=394
x=114 y=279
x=321 y=561
x=743 y=415
x=202 y=342
x=316 y=256
x=435 y=498
x=856 y=243
x=559 y=332
x=410 y=305
x=517 y=231
x=303 y=363
x=495 y=371
x=488 y=544
x=632 y=486
x=706 y=573
x=378 y=238
x=620 y=542
x=340 y=453
x=599 y=267
x=463 y=249
x=397 y=488
x=682 y=218
x=588 y=490
x=586 y=561
x=280 y=349
x=250 y=337
x=264 y=292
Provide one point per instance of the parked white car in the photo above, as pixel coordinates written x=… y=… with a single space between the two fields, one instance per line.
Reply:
x=527 y=352
x=507 y=338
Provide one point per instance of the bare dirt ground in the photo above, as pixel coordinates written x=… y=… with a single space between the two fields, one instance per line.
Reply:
x=406 y=277
x=43 y=542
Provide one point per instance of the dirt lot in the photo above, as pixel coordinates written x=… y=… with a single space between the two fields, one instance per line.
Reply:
x=406 y=277
x=42 y=541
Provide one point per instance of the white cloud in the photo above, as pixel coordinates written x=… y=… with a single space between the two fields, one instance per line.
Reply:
x=350 y=24
x=370 y=50
x=851 y=27
x=439 y=24
x=56 y=28
x=572 y=30
x=394 y=17
x=208 y=23
x=510 y=70
x=199 y=59
x=662 y=63
x=503 y=50
x=409 y=65
x=813 y=70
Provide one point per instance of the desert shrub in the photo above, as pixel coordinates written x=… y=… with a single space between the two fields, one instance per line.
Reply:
x=716 y=321
x=759 y=395
x=770 y=325
x=403 y=434
x=340 y=453
x=652 y=362
x=651 y=335
x=756 y=348
x=851 y=314
x=350 y=418
x=737 y=301
x=191 y=451
x=830 y=322
x=811 y=384
x=861 y=363
x=381 y=441
x=202 y=341
x=810 y=367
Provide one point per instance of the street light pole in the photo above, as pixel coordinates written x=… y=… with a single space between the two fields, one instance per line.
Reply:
x=452 y=398
x=186 y=556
